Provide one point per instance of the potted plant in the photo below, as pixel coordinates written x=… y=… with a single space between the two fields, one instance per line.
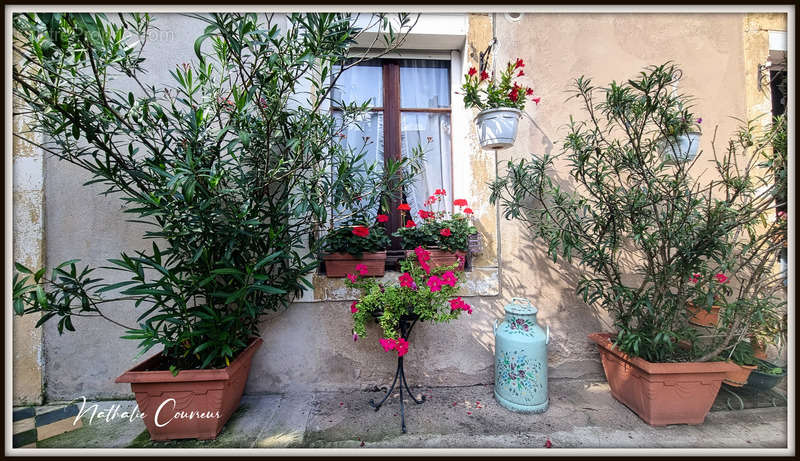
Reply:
x=501 y=102
x=421 y=293
x=640 y=227
x=741 y=354
x=232 y=175
x=766 y=376
x=709 y=293
x=357 y=248
x=444 y=235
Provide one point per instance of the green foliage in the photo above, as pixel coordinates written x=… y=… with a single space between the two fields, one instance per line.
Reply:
x=389 y=302
x=233 y=167
x=485 y=92
x=640 y=226
x=344 y=240
x=740 y=354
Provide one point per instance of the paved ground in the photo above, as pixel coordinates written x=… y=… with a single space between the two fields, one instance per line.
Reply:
x=582 y=414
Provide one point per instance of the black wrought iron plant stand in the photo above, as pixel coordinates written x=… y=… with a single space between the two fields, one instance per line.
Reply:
x=406 y=324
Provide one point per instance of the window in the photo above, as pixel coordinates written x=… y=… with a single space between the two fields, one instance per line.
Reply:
x=409 y=106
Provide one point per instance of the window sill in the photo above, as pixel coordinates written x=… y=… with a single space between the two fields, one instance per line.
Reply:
x=480 y=281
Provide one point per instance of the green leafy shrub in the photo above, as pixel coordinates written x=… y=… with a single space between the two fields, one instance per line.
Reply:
x=641 y=226
x=233 y=167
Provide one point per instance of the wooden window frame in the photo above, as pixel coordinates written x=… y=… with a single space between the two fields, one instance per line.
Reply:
x=392 y=140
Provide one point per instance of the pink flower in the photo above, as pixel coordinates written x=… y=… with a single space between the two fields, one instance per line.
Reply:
x=410 y=224
x=695 y=278
x=445 y=232
x=362 y=269
x=383 y=218
x=721 y=278
x=425 y=267
x=458 y=303
x=536 y=100
x=435 y=283
x=353 y=308
x=422 y=254
x=388 y=344
x=352 y=277
x=402 y=347
x=700 y=120
x=449 y=278
x=406 y=280
x=529 y=92
x=355 y=337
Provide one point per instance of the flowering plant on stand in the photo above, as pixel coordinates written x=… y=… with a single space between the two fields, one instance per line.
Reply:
x=436 y=227
x=420 y=291
x=485 y=92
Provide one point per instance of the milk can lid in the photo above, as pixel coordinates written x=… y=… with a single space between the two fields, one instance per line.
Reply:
x=521 y=306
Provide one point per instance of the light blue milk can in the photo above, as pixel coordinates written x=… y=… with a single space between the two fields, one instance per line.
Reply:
x=520 y=360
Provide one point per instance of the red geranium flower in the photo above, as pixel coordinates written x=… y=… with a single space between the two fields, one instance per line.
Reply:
x=467 y=210
x=383 y=218
x=361 y=231
x=472 y=71
x=460 y=202
x=519 y=63
x=445 y=232
x=440 y=192
x=403 y=207
x=410 y=223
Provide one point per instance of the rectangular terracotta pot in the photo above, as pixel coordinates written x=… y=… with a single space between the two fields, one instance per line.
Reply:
x=341 y=264
x=195 y=404
x=441 y=258
x=661 y=393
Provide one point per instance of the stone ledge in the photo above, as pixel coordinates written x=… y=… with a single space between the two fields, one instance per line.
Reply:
x=480 y=281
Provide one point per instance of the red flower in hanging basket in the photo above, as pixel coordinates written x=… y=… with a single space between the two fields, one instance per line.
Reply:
x=361 y=231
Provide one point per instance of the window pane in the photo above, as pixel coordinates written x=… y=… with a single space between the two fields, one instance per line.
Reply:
x=432 y=132
x=365 y=136
x=424 y=83
x=359 y=84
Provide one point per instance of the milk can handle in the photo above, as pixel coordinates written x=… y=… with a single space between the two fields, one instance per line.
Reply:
x=547 y=341
x=525 y=301
x=495 y=326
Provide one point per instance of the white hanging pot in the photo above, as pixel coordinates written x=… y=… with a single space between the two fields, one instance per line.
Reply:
x=681 y=148
x=497 y=128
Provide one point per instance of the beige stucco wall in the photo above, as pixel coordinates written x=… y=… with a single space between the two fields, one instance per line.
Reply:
x=310 y=346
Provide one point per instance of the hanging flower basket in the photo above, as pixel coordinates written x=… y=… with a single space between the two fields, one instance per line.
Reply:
x=681 y=148
x=497 y=128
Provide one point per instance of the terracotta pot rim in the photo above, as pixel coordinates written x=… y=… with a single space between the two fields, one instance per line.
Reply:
x=136 y=375
x=654 y=368
x=348 y=256
x=438 y=250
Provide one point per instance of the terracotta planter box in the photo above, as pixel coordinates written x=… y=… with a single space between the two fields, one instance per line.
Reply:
x=738 y=377
x=703 y=318
x=196 y=404
x=341 y=264
x=759 y=349
x=441 y=258
x=661 y=393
